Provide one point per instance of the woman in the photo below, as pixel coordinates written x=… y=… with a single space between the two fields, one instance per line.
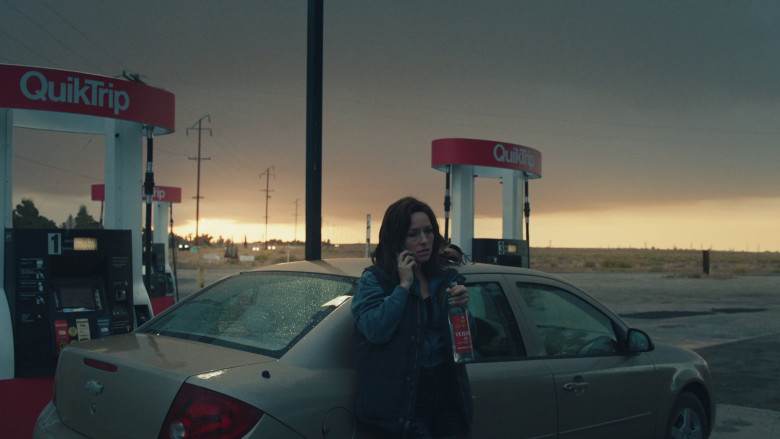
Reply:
x=410 y=386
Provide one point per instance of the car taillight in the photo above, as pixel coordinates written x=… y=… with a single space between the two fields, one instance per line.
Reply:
x=204 y=414
x=101 y=365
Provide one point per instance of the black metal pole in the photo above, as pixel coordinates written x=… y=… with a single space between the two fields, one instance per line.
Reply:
x=174 y=249
x=527 y=213
x=447 y=204
x=149 y=191
x=314 y=132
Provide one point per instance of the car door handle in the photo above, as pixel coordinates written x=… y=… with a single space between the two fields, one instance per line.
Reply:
x=577 y=386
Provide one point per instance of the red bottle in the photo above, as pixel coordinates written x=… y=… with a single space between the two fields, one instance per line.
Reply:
x=460 y=333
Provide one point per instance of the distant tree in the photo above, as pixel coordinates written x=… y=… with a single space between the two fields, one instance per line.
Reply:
x=181 y=239
x=84 y=220
x=26 y=216
x=205 y=239
x=68 y=224
x=245 y=243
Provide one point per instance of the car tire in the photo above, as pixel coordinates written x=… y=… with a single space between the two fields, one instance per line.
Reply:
x=688 y=419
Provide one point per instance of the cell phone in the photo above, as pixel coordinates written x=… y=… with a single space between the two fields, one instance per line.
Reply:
x=404 y=249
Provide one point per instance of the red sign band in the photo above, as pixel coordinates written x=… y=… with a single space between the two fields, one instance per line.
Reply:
x=164 y=194
x=36 y=88
x=446 y=152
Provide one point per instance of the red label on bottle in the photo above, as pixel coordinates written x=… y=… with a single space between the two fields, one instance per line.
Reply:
x=461 y=333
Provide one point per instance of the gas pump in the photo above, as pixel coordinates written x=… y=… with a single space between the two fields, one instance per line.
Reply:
x=511 y=252
x=162 y=281
x=65 y=286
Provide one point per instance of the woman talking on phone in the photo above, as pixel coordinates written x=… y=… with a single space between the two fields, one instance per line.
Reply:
x=409 y=384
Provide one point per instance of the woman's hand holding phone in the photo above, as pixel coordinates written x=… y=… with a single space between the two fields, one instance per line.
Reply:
x=406 y=264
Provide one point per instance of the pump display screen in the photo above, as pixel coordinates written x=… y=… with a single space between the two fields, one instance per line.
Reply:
x=77 y=298
x=511 y=248
x=85 y=243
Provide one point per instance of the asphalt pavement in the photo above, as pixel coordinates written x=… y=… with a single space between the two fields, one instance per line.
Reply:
x=731 y=321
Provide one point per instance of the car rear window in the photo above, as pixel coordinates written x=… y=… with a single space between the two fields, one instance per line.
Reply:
x=266 y=312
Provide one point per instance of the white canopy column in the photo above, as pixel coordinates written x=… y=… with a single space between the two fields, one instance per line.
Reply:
x=6 y=218
x=512 y=202
x=463 y=207
x=124 y=171
x=162 y=218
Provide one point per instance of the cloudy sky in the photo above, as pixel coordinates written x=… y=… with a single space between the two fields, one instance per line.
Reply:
x=657 y=120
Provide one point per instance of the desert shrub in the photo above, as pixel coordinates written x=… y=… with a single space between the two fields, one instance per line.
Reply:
x=616 y=263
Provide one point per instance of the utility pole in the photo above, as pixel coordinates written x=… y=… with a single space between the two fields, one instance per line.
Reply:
x=199 y=159
x=267 y=191
x=296 y=220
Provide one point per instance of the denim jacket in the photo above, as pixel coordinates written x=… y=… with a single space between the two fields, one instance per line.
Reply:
x=389 y=339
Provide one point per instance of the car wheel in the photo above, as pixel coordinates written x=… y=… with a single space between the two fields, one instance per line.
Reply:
x=688 y=420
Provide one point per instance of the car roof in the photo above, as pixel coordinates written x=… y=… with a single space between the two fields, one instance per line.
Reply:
x=353 y=267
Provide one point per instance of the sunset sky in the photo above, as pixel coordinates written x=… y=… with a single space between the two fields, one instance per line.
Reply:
x=657 y=121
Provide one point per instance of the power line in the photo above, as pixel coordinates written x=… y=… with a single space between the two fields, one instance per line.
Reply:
x=105 y=52
x=21 y=43
x=45 y=30
x=38 y=162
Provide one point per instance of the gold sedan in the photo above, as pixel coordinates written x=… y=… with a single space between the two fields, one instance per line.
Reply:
x=268 y=353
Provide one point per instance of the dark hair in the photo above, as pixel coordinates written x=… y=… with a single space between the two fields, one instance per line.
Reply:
x=392 y=235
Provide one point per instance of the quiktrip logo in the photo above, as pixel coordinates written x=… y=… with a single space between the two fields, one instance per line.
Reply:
x=515 y=155
x=449 y=152
x=78 y=91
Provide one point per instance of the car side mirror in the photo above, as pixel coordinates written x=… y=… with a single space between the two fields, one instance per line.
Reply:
x=638 y=341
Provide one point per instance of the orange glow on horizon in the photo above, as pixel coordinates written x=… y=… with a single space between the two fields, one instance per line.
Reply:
x=734 y=225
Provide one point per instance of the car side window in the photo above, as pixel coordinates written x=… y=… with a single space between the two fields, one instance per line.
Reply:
x=497 y=334
x=568 y=325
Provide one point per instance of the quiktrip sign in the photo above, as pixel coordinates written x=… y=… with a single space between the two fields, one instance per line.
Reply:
x=474 y=152
x=163 y=194
x=42 y=89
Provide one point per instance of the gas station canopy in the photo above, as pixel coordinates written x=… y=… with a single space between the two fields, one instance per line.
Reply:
x=124 y=112
x=80 y=102
x=469 y=158
x=486 y=154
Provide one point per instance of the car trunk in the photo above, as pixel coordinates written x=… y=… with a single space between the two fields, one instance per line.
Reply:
x=123 y=386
